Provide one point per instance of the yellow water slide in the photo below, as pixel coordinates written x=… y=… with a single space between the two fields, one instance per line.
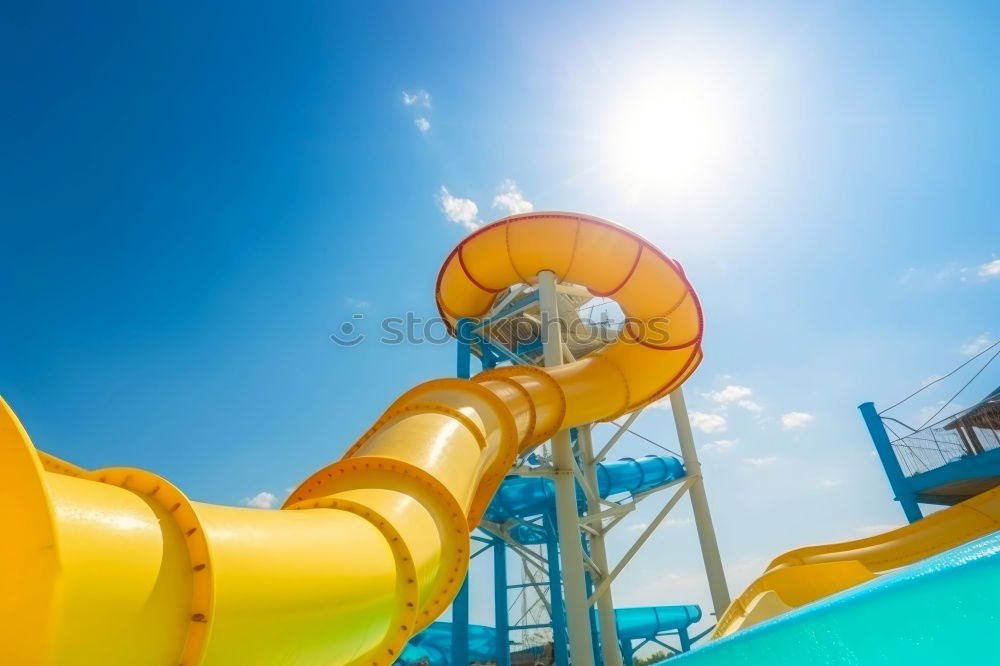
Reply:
x=807 y=574
x=117 y=566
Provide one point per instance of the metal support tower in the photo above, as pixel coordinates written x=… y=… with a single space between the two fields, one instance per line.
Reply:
x=583 y=621
x=500 y=601
x=567 y=518
x=699 y=505
x=610 y=653
x=558 y=612
x=460 y=605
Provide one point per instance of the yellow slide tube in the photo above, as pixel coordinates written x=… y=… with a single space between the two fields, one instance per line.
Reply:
x=807 y=574
x=117 y=567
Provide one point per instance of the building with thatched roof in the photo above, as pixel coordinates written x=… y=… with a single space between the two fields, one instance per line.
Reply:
x=979 y=426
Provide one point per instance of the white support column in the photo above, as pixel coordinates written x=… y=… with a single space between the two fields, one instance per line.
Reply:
x=570 y=548
x=699 y=504
x=610 y=650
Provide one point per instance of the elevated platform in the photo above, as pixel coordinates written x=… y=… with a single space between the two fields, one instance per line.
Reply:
x=957 y=480
x=944 y=463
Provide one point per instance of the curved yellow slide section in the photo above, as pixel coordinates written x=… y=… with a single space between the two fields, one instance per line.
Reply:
x=807 y=574
x=116 y=566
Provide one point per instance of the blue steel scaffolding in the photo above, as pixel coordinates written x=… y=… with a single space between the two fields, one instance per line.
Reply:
x=526 y=506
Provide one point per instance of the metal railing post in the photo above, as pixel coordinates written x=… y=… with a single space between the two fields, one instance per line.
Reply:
x=893 y=471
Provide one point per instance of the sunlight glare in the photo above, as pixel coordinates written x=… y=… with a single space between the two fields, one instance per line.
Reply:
x=672 y=134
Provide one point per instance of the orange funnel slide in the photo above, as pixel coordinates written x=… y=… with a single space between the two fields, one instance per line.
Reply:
x=117 y=567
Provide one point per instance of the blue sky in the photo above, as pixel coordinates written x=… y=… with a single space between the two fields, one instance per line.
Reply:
x=194 y=198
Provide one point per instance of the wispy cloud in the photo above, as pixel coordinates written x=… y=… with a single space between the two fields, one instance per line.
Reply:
x=930 y=380
x=708 y=423
x=735 y=395
x=419 y=98
x=830 y=483
x=935 y=277
x=357 y=303
x=460 y=211
x=764 y=461
x=796 y=420
x=951 y=273
x=989 y=270
x=672 y=585
x=750 y=566
x=928 y=412
x=423 y=125
x=669 y=522
x=720 y=445
x=511 y=199
x=678 y=522
x=262 y=500
x=976 y=345
x=731 y=393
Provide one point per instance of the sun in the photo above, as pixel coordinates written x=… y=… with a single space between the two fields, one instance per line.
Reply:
x=673 y=133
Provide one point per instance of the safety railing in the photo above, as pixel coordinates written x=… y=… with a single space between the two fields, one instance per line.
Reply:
x=967 y=433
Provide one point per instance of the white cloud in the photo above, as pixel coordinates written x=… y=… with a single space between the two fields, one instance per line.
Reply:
x=761 y=462
x=928 y=412
x=752 y=566
x=678 y=522
x=794 y=420
x=669 y=522
x=735 y=395
x=511 y=199
x=357 y=303
x=973 y=347
x=869 y=530
x=460 y=211
x=708 y=422
x=830 y=483
x=668 y=586
x=418 y=98
x=731 y=393
x=422 y=124
x=950 y=273
x=930 y=380
x=720 y=445
x=262 y=500
x=989 y=270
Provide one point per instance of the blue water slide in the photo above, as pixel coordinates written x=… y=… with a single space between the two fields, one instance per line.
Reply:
x=528 y=496
x=434 y=642
x=434 y=645
x=649 y=621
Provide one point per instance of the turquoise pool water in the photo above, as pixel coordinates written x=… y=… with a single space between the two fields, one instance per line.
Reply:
x=943 y=611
